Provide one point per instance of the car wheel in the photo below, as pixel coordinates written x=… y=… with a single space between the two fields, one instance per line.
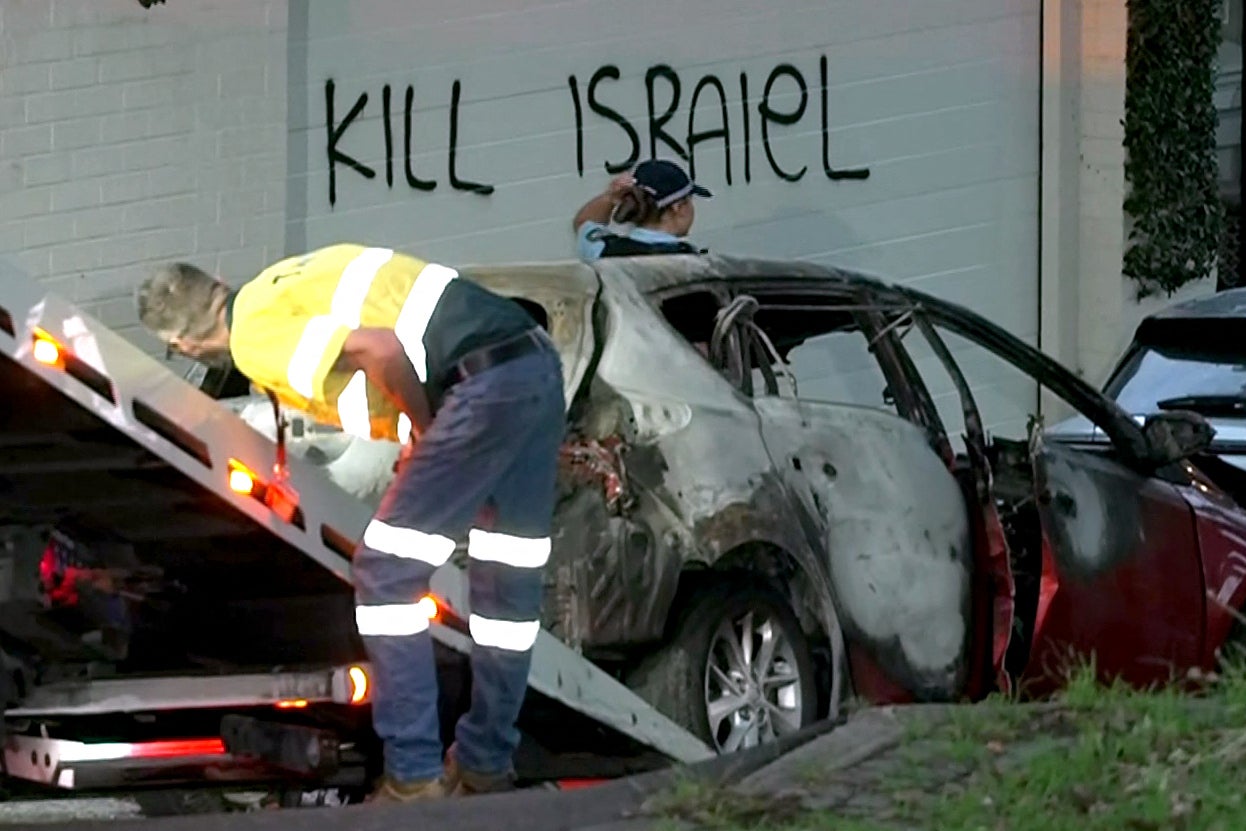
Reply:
x=738 y=671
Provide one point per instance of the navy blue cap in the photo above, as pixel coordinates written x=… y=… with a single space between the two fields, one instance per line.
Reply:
x=666 y=182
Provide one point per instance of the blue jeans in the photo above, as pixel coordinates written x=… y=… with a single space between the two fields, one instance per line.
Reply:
x=486 y=469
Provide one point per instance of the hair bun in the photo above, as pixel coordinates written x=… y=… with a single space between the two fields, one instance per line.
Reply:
x=635 y=206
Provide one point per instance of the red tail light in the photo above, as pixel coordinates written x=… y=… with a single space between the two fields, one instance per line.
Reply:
x=177 y=748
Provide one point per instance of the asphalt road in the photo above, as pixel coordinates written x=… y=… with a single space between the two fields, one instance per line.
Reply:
x=613 y=806
x=24 y=813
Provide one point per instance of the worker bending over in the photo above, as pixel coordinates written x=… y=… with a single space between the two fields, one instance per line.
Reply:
x=390 y=347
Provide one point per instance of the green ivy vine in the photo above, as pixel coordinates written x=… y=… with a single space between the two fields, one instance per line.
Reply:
x=1170 y=143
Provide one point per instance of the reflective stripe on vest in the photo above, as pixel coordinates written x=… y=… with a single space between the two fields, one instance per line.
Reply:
x=413 y=320
x=352 y=406
x=301 y=371
x=354 y=410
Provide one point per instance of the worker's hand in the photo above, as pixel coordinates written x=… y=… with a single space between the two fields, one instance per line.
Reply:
x=620 y=185
x=408 y=450
x=405 y=454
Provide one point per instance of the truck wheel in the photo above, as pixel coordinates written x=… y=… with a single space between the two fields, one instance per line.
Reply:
x=738 y=671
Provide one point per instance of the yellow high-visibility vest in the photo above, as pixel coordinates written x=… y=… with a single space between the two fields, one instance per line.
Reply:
x=289 y=323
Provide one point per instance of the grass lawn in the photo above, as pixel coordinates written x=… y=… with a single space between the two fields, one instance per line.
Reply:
x=1097 y=758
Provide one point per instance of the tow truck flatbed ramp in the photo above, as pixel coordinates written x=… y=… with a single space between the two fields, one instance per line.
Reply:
x=149 y=412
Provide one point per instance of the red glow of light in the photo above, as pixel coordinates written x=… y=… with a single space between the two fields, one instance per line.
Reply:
x=176 y=748
x=577 y=784
x=292 y=704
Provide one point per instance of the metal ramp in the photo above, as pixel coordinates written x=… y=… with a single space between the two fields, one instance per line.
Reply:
x=95 y=369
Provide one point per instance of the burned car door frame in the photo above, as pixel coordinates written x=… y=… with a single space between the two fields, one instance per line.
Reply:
x=1118 y=569
x=854 y=465
x=994 y=581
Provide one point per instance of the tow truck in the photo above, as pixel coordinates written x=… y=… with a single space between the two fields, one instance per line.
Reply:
x=175 y=604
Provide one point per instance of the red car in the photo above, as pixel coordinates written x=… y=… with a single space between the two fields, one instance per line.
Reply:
x=1121 y=550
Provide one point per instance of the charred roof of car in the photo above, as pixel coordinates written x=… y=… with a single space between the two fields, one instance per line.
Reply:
x=656 y=273
x=660 y=273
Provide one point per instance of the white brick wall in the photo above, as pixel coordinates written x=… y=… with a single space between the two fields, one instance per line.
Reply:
x=132 y=136
x=1089 y=307
x=937 y=99
x=128 y=136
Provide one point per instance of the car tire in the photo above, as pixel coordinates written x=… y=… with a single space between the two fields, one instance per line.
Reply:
x=716 y=682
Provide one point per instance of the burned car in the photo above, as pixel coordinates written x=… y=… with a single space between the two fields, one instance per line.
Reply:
x=780 y=488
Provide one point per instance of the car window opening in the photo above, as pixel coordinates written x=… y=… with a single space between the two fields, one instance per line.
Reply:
x=693 y=315
x=1209 y=383
x=823 y=353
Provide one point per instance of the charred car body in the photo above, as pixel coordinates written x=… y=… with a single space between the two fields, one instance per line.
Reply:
x=746 y=553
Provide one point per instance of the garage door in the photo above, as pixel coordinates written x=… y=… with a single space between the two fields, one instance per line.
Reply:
x=895 y=136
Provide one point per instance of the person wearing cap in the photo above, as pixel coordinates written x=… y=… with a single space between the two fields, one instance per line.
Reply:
x=655 y=198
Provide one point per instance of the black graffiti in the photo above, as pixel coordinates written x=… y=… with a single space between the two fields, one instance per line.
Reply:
x=610 y=72
x=389 y=137
x=455 y=181
x=663 y=87
x=657 y=123
x=336 y=156
x=335 y=131
x=413 y=181
x=748 y=160
x=769 y=114
x=579 y=118
x=832 y=173
x=785 y=103
x=723 y=131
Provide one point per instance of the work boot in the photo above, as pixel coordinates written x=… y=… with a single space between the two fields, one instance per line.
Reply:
x=390 y=789
x=459 y=781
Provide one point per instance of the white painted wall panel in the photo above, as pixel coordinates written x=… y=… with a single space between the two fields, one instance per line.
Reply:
x=131 y=136
x=939 y=100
